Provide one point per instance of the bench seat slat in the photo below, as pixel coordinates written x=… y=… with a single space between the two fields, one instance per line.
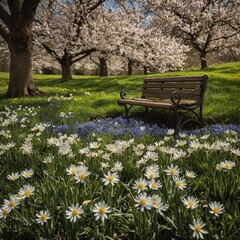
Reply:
x=146 y=102
x=159 y=103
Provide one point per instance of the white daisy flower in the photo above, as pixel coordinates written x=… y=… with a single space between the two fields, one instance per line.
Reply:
x=152 y=172
x=227 y=165
x=190 y=202
x=72 y=170
x=180 y=183
x=27 y=173
x=26 y=191
x=140 y=185
x=11 y=203
x=48 y=159
x=172 y=170
x=81 y=174
x=216 y=208
x=4 y=212
x=13 y=176
x=191 y=174
x=101 y=209
x=110 y=178
x=155 y=185
x=74 y=212
x=42 y=217
x=197 y=228
x=143 y=201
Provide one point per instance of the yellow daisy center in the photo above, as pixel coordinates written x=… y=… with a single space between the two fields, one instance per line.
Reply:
x=81 y=176
x=27 y=192
x=73 y=171
x=11 y=204
x=143 y=202
x=190 y=204
x=216 y=210
x=27 y=174
x=172 y=171
x=75 y=212
x=152 y=175
x=198 y=228
x=227 y=166
x=101 y=210
x=179 y=184
x=110 y=178
x=43 y=217
x=154 y=185
x=141 y=185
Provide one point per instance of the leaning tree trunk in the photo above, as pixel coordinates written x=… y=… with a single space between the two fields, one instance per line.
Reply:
x=21 y=83
x=130 y=67
x=103 y=68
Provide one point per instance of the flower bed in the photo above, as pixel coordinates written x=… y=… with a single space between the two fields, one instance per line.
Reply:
x=116 y=179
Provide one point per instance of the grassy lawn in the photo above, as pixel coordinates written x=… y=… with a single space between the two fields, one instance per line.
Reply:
x=113 y=178
x=221 y=104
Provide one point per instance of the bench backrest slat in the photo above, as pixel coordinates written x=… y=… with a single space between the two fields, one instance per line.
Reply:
x=191 y=87
x=174 y=79
x=171 y=85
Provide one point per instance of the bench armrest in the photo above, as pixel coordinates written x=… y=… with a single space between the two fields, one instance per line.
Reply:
x=124 y=92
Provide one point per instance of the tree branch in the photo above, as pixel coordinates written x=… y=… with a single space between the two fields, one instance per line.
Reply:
x=5 y=17
x=52 y=52
x=83 y=54
x=4 y=33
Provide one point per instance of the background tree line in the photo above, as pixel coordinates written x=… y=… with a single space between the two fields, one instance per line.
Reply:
x=119 y=36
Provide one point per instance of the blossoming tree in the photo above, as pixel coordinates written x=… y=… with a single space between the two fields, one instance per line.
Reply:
x=204 y=25
x=125 y=33
x=16 y=19
x=63 y=30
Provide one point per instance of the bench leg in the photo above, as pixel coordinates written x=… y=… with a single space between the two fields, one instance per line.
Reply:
x=181 y=122
x=201 y=116
x=127 y=109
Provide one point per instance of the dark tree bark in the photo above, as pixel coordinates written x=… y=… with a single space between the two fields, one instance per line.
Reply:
x=103 y=68
x=130 y=67
x=203 y=55
x=66 y=66
x=145 y=70
x=18 y=35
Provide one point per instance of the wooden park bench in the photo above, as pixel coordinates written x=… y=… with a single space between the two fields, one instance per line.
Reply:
x=181 y=95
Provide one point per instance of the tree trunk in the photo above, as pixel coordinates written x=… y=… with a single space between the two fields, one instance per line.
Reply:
x=145 y=70
x=66 y=66
x=103 y=68
x=20 y=46
x=130 y=67
x=203 y=55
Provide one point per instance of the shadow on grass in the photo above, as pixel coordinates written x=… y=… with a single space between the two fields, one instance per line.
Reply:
x=163 y=118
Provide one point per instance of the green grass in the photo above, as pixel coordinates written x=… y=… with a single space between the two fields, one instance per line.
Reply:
x=221 y=104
